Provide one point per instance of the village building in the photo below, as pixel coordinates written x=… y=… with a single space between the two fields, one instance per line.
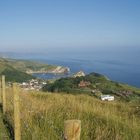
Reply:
x=33 y=84
x=84 y=84
x=107 y=98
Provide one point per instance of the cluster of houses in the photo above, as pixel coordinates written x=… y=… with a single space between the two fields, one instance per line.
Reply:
x=84 y=84
x=103 y=97
x=125 y=93
x=33 y=84
x=36 y=84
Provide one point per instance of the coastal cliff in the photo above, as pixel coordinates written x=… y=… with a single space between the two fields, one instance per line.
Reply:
x=22 y=70
x=56 y=70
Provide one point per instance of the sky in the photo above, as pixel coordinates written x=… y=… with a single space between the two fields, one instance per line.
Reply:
x=43 y=25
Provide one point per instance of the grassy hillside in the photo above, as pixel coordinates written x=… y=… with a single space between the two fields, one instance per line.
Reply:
x=16 y=75
x=96 y=82
x=11 y=73
x=43 y=116
x=26 y=65
x=21 y=70
x=16 y=70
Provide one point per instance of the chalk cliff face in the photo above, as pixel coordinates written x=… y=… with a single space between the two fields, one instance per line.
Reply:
x=27 y=67
x=79 y=74
x=61 y=70
x=57 y=70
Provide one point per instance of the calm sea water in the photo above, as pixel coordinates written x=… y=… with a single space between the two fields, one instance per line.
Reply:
x=122 y=66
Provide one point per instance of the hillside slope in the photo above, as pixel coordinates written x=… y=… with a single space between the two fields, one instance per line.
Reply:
x=27 y=65
x=11 y=73
x=43 y=116
x=22 y=70
x=31 y=67
x=93 y=84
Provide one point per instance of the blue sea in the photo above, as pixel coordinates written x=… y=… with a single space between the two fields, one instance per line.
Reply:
x=122 y=66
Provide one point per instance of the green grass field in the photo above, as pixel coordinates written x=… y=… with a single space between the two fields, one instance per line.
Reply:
x=43 y=116
x=4 y=135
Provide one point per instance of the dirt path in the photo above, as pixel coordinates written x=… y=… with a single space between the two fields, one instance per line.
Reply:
x=3 y=130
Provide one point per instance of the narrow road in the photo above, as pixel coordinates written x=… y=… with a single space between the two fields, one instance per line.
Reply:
x=3 y=131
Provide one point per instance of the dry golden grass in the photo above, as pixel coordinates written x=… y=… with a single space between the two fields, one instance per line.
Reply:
x=43 y=116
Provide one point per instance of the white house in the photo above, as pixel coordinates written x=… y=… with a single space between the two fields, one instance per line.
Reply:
x=107 y=98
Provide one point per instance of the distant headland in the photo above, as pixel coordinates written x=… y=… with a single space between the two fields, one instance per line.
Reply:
x=23 y=69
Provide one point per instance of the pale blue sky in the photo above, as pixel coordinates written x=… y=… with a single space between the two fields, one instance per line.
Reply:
x=42 y=25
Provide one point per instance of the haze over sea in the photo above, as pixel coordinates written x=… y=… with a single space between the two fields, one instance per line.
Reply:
x=91 y=35
x=119 y=65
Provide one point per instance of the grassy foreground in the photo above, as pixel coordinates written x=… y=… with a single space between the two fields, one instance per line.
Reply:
x=3 y=131
x=43 y=116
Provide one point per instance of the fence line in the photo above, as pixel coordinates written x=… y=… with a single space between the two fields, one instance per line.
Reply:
x=0 y=92
x=3 y=95
x=72 y=128
x=17 y=129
